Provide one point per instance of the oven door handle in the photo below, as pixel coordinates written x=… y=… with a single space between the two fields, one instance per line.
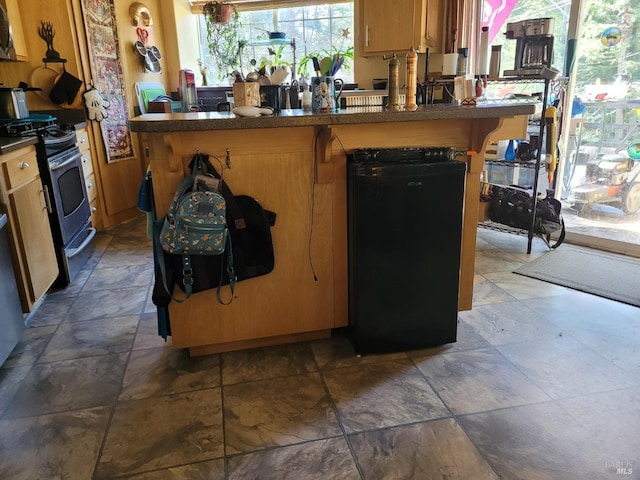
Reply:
x=64 y=164
x=72 y=252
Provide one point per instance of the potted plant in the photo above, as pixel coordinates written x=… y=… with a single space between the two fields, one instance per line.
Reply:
x=325 y=57
x=223 y=21
x=338 y=56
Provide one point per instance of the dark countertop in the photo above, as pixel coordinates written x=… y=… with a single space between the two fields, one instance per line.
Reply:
x=179 y=122
x=74 y=117
x=10 y=144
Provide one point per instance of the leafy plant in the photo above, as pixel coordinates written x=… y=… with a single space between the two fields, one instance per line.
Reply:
x=330 y=54
x=322 y=54
x=275 y=58
x=223 y=38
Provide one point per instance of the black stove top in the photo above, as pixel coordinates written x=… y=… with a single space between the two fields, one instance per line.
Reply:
x=25 y=126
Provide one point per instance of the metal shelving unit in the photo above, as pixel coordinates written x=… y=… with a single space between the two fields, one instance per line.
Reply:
x=556 y=86
x=274 y=42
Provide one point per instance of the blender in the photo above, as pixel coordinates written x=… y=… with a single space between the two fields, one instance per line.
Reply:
x=187 y=89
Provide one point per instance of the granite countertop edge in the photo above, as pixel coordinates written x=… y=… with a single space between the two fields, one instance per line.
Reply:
x=11 y=144
x=179 y=122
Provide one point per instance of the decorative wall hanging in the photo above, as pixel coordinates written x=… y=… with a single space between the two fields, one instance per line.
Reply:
x=96 y=105
x=611 y=36
x=150 y=57
x=139 y=15
x=106 y=69
x=47 y=33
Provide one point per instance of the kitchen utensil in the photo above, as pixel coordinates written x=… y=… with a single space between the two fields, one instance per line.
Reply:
x=294 y=90
x=316 y=66
x=325 y=65
x=270 y=96
x=150 y=56
x=279 y=75
x=338 y=64
x=13 y=103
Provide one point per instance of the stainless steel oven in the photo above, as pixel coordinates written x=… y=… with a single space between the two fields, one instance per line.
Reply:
x=60 y=165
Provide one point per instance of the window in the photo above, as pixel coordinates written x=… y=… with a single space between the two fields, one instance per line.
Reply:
x=314 y=28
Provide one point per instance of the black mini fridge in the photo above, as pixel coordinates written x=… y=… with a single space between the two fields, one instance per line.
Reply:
x=404 y=234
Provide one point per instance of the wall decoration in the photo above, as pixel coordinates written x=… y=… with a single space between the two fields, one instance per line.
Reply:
x=611 y=36
x=106 y=70
x=139 y=15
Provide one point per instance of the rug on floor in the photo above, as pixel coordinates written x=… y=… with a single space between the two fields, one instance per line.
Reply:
x=593 y=271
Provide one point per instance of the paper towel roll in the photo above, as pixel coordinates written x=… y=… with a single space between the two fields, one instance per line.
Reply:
x=484 y=52
x=449 y=63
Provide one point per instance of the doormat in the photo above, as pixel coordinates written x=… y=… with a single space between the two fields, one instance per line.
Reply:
x=592 y=271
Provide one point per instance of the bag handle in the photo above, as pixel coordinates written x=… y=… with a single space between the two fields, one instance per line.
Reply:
x=187 y=272
x=202 y=160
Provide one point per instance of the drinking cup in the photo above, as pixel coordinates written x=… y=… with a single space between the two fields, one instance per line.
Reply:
x=325 y=93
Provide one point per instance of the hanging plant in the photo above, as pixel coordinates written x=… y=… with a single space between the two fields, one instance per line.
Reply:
x=223 y=21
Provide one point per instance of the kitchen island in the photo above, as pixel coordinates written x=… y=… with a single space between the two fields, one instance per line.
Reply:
x=294 y=164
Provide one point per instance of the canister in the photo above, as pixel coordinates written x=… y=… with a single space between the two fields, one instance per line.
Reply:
x=13 y=103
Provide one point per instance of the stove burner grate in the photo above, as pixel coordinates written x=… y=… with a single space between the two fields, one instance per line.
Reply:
x=25 y=126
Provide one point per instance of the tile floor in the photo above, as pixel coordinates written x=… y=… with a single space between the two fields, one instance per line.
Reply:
x=543 y=383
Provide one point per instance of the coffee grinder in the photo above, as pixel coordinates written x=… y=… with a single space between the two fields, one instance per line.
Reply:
x=534 y=46
x=187 y=89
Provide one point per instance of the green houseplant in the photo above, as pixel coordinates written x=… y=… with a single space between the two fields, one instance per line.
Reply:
x=344 y=51
x=223 y=22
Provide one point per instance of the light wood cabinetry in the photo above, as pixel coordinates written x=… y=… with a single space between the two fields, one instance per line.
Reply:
x=300 y=173
x=19 y=43
x=394 y=27
x=89 y=175
x=26 y=204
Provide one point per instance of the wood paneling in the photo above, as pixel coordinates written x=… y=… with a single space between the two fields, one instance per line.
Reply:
x=281 y=168
x=23 y=199
x=277 y=169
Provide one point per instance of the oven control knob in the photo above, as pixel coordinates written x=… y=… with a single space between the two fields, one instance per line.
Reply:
x=24 y=165
x=85 y=159
x=89 y=185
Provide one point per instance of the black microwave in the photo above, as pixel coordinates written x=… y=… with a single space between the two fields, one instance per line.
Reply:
x=7 y=52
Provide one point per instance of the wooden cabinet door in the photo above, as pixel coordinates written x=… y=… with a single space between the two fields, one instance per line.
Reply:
x=33 y=229
x=388 y=26
x=394 y=27
x=17 y=31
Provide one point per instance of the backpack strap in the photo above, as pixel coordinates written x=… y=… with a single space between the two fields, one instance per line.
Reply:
x=230 y=272
x=233 y=210
x=561 y=237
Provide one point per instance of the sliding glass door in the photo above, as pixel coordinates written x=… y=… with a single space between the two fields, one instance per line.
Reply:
x=599 y=178
x=597 y=45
